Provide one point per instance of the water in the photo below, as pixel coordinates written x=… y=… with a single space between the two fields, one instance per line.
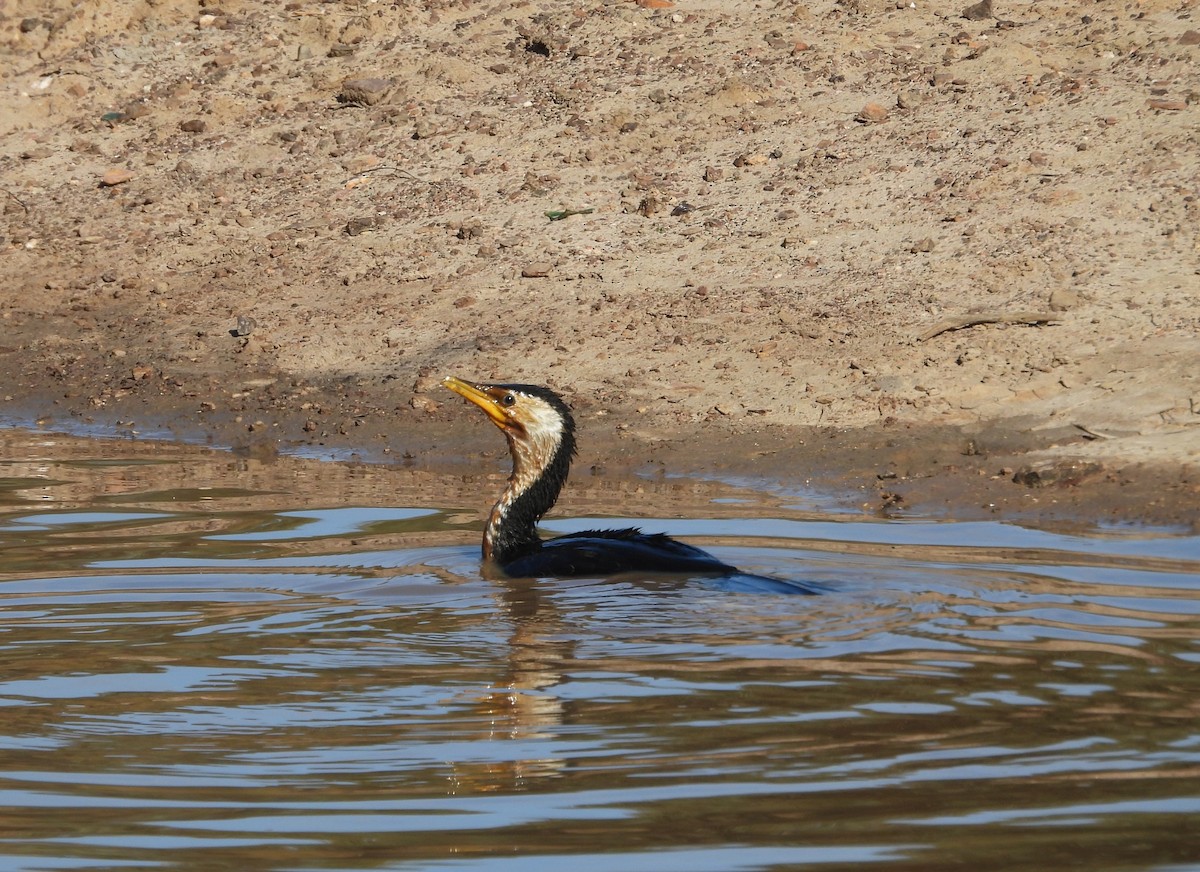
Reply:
x=212 y=662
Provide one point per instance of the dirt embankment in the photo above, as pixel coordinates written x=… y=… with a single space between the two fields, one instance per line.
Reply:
x=879 y=246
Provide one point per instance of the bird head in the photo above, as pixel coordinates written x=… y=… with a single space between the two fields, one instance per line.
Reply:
x=536 y=421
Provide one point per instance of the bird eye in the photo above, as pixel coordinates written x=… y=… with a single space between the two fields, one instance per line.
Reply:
x=508 y=400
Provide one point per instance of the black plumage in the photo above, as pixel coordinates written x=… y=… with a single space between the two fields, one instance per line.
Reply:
x=540 y=431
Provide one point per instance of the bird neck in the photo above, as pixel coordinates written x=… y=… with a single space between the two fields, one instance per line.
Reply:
x=533 y=487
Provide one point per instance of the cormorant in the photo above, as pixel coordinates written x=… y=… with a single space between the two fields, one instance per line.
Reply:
x=541 y=439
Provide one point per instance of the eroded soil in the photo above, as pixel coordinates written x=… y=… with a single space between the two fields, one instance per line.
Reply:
x=918 y=260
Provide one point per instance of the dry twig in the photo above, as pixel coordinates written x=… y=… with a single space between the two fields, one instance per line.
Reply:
x=964 y=321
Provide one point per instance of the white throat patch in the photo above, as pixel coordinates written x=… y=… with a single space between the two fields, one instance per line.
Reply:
x=531 y=452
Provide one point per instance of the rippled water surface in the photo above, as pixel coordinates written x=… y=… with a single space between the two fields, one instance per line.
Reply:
x=214 y=662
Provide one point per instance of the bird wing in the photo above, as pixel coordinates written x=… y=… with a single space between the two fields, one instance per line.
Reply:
x=609 y=552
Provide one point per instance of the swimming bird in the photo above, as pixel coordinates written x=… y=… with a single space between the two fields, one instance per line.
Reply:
x=540 y=431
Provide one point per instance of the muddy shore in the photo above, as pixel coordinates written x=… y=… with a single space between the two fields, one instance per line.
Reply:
x=918 y=261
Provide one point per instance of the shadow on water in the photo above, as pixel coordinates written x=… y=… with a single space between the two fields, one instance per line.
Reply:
x=215 y=662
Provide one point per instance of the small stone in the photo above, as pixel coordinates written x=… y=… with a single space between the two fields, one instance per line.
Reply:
x=1190 y=37
x=355 y=226
x=1039 y=158
x=749 y=160
x=364 y=92
x=424 y=404
x=340 y=51
x=1063 y=299
x=1167 y=105
x=922 y=245
x=303 y=52
x=245 y=326
x=360 y=163
x=908 y=100
x=193 y=125
x=537 y=270
x=978 y=11
x=713 y=174
x=427 y=381
x=1062 y=473
x=649 y=206
x=117 y=176
x=470 y=229
x=310 y=425
x=872 y=113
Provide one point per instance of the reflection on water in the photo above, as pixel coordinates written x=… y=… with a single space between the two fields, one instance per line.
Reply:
x=213 y=662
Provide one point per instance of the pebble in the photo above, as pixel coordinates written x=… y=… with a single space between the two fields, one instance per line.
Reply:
x=364 y=92
x=872 y=113
x=1167 y=105
x=1068 y=472
x=426 y=382
x=355 y=226
x=116 y=176
x=908 y=100
x=360 y=163
x=1063 y=299
x=1190 y=37
x=649 y=206
x=978 y=11
x=193 y=125
x=537 y=270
